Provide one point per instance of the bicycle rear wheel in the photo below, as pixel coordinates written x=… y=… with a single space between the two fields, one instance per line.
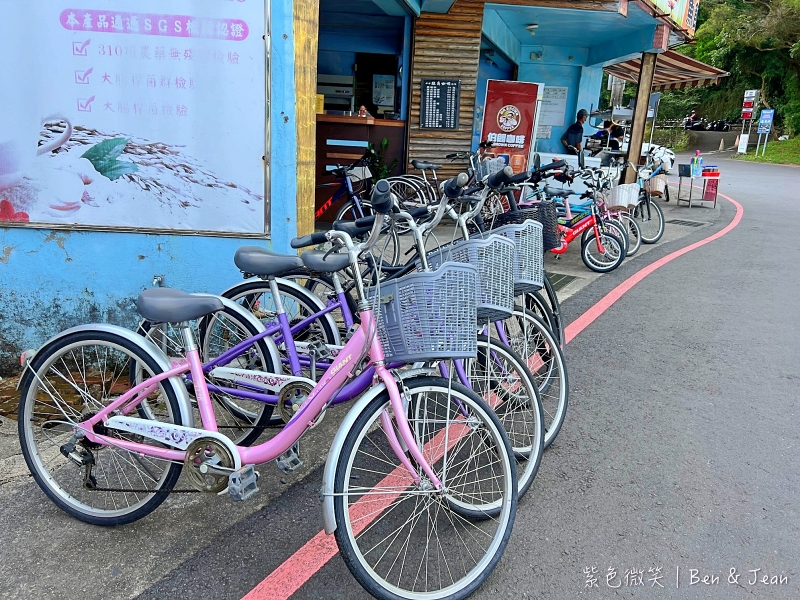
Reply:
x=406 y=540
x=68 y=382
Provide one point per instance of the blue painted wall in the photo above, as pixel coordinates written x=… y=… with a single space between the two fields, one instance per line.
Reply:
x=555 y=75
x=51 y=280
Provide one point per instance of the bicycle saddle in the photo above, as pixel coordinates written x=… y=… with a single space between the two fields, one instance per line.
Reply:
x=561 y=193
x=264 y=263
x=423 y=165
x=168 y=305
x=315 y=260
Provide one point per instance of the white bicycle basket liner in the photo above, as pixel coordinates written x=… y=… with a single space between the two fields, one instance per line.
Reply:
x=490 y=166
x=625 y=195
x=528 y=254
x=428 y=316
x=657 y=184
x=494 y=258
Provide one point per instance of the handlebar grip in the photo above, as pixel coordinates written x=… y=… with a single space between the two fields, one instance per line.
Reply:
x=452 y=187
x=558 y=164
x=520 y=177
x=363 y=221
x=498 y=180
x=311 y=239
x=382 y=201
x=351 y=228
x=418 y=212
x=451 y=155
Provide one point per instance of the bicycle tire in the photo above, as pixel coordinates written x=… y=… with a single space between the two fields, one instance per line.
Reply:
x=634 y=233
x=74 y=498
x=535 y=302
x=607 y=261
x=651 y=222
x=355 y=534
x=532 y=340
x=251 y=294
x=520 y=411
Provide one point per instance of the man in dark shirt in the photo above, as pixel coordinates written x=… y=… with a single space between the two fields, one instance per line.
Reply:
x=573 y=136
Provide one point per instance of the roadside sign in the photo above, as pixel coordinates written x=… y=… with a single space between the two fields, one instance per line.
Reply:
x=751 y=94
x=747 y=114
x=765 y=122
x=743 y=140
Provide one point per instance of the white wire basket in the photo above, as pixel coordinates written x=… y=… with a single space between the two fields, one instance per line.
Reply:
x=624 y=196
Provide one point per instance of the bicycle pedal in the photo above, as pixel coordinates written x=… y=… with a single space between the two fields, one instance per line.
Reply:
x=242 y=483
x=289 y=461
x=319 y=349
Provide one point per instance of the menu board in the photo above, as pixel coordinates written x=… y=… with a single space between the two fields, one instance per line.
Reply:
x=134 y=114
x=440 y=103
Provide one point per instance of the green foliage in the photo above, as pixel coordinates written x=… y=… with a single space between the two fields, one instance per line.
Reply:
x=103 y=157
x=787 y=153
x=758 y=42
x=675 y=138
x=377 y=161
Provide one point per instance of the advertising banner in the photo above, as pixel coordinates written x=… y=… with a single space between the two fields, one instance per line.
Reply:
x=509 y=116
x=765 y=121
x=682 y=12
x=134 y=114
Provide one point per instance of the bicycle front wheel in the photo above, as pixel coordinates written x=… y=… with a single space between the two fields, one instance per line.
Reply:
x=650 y=219
x=402 y=539
x=500 y=377
x=531 y=339
x=69 y=382
x=612 y=255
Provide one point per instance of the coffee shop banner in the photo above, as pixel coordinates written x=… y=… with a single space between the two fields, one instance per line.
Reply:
x=137 y=114
x=509 y=116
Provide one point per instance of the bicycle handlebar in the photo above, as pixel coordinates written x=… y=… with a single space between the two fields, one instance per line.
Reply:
x=452 y=187
x=312 y=239
x=499 y=179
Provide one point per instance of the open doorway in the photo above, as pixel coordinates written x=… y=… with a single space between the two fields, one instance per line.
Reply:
x=376 y=83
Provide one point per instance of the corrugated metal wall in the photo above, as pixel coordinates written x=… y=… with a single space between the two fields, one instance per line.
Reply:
x=446 y=46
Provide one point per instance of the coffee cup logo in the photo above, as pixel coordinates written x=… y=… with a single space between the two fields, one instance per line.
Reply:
x=508 y=118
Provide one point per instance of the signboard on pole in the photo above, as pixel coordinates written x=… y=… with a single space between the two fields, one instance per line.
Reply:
x=765 y=121
x=134 y=114
x=509 y=117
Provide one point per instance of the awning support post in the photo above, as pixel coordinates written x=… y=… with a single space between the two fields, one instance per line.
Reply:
x=640 y=112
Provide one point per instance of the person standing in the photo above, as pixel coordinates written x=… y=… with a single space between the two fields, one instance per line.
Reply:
x=573 y=136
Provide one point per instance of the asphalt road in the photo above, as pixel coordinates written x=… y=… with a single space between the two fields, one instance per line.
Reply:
x=679 y=452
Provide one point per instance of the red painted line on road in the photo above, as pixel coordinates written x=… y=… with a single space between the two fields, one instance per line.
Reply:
x=314 y=554
x=607 y=301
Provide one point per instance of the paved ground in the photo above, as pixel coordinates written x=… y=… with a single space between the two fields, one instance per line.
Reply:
x=679 y=450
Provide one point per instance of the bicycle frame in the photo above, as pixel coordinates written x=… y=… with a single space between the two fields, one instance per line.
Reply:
x=333 y=379
x=345 y=187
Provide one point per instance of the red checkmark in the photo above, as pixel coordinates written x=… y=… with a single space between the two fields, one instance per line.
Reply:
x=85 y=104
x=82 y=77
x=79 y=49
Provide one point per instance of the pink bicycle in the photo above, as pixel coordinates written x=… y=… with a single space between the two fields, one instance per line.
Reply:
x=420 y=483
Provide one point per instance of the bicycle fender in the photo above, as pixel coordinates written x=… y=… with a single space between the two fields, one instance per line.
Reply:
x=296 y=287
x=328 y=516
x=187 y=416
